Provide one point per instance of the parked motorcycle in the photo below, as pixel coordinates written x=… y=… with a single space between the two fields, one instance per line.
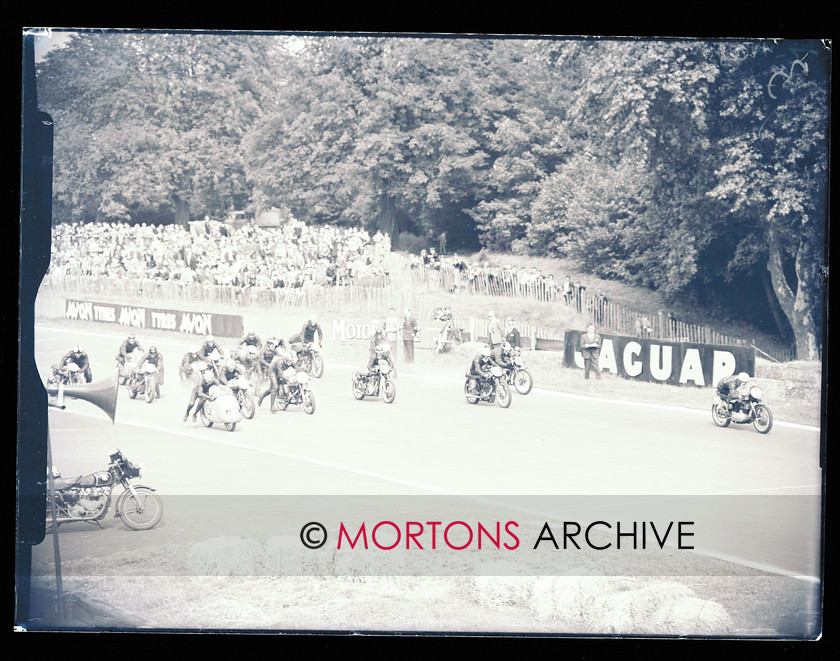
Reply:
x=372 y=383
x=68 y=375
x=448 y=337
x=488 y=389
x=310 y=361
x=296 y=392
x=518 y=376
x=87 y=498
x=222 y=407
x=745 y=408
x=144 y=381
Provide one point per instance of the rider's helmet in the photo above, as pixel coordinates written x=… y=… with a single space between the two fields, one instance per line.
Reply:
x=77 y=349
x=485 y=352
x=208 y=376
x=230 y=364
x=153 y=350
x=251 y=333
x=313 y=318
x=270 y=343
x=743 y=377
x=131 y=337
x=288 y=357
x=209 y=339
x=194 y=349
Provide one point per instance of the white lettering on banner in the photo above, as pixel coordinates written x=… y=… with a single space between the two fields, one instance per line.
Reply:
x=723 y=365
x=692 y=368
x=105 y=313
x=164 y=320
x=200 y=324
x=606 y=360
x=133 y=317
x=632 y=367
x=79 y=310
x=661 y=371
x=343 y=331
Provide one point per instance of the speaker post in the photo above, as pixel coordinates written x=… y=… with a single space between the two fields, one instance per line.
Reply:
x=102 y=394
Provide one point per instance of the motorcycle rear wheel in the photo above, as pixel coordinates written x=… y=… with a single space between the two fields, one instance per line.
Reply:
x=503 y=394
x=763 y=422
x=719 y=415
x=389 y=391
x=308 y=402
x=142 y=513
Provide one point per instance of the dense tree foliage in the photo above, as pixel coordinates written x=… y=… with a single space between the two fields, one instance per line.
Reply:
x=695 y=168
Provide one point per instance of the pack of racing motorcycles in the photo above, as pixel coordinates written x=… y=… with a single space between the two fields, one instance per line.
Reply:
x=226 y=389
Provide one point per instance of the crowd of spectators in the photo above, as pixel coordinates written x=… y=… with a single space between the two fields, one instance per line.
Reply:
x=292 y=255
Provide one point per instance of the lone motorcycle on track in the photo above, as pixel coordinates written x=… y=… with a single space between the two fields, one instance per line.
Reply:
x=486 y=382
x=377 y=381
x=87 y=498
x=743 y=406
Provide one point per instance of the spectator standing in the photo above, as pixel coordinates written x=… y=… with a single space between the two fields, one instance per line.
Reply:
x=512 y=335
x=590 y=348
x=410 y=329
x=392 y=328
x=495 y=332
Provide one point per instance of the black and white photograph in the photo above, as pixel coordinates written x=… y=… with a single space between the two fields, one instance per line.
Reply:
x=439 y=334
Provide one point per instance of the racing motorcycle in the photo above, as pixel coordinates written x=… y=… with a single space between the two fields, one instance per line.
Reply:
x=241 y=388
x=144 y=381
x=296 y=392
x=493 y=388
x=746 y=408
x=87 y=498
x=127 y=367
x=518 y=375
x=310 y=361
x=376 y=382
x=222 y=406
x=68 y=375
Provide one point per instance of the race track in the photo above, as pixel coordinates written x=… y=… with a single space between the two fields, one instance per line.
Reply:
x=432 y=442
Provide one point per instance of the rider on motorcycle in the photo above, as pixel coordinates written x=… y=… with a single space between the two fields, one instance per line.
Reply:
x=155 y=358
x=247 y=357
x=377 y=339
x=728 y=386
x=480 y=368
x=76 y=355
x=307 y=334
x=279 y=342
x=251 y=339
x=267 y=355
x=209 y=347
x=229 y=371
x=284 y=361
x=201 y=393
x=192 y=356
x=503 y=355
x=129 y=344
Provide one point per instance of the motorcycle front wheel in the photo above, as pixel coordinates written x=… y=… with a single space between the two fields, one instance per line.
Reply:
x=149 y=393
x=523 y=381
x=248 y=405
x=317 y=366
x=141 y=513
x=308 y=402
x=389 y=391
x=207 y=422
x=472 y=398
x=719 y=415
x=503 y=394
x=763 y=422
x=230 y=426
x=132 y=392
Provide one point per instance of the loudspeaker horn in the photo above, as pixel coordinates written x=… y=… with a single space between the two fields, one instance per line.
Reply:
x=102 y=394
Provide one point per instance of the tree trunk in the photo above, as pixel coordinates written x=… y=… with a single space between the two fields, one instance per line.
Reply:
x=796 y=306
x=182 y=211
x=779 y=318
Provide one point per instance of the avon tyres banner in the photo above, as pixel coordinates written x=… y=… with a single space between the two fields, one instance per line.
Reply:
x=660 y=361
x=195 y=323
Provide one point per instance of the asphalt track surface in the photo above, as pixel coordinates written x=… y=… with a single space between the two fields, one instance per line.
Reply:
x=430 y=441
